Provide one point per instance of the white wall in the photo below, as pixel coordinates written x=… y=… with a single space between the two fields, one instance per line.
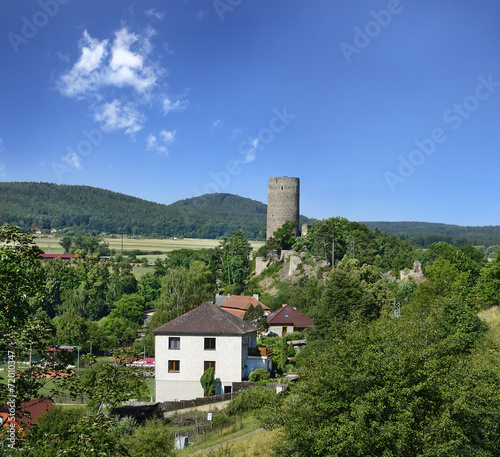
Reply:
x=186 y=385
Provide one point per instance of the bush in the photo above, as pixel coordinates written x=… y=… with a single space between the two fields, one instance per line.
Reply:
x=250 y=400
x=258 y=375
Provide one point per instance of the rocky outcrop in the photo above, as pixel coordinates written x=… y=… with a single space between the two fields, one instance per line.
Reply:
x=416 y=275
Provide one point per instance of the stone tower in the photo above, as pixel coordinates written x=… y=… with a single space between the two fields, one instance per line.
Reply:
x=282 y=203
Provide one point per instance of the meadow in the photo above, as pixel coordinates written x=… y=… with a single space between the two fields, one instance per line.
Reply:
x=50 y=244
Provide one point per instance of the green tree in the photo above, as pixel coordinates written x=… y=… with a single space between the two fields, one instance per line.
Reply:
x=130 y=308
x=487 y=290
x=18 y=257
x=395 y=387
x=350 y=290
x=234 y=254
x=207 y=381
x=256 y=315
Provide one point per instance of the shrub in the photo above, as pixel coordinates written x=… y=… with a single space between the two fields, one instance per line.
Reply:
x=250 y=400
x=258 y=375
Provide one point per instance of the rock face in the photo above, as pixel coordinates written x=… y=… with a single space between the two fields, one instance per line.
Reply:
x=260 y=265
x=416 y=274
x=295 y=261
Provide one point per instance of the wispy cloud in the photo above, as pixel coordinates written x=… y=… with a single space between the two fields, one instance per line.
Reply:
x=160 y=145
x=117 y=116
x=251 y=153
x=170 y=106
x=153 y=13
x=1 y=145
x=200 y=15
x=236 y=132
x=216 y=123
x=72 y=159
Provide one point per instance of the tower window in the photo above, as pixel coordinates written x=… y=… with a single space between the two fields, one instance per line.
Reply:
x=282 y=188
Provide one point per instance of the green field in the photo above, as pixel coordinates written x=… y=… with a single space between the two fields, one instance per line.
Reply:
x=50 y=244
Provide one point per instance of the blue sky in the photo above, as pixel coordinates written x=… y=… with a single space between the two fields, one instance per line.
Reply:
x=386 y=110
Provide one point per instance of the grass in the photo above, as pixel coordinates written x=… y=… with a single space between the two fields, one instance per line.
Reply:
x=51 y=243
x=249 y=424
x=492 y=317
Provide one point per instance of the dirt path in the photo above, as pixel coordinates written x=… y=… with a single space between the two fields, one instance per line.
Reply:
x=228 y=441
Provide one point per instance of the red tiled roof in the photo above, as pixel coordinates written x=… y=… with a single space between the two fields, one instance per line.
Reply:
x=287 y=315
x=30 y=411
x=207 y=319
x=242 y=302
x=56 y=256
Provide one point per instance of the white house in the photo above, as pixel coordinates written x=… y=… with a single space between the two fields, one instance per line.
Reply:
x=204 y=337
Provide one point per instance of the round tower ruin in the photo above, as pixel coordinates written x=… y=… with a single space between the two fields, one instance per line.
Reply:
x=282 y=203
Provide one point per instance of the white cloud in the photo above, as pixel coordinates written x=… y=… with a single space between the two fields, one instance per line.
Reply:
x=116 y=116
x=169 y=105
x=200 y=15
x=216 y=123
x=168 y=137
x=73 y=160
x=160 y=145
x=251 y=153
x=156 y=14
x=101 y=65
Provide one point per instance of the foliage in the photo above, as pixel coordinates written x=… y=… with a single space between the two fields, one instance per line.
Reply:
x=153 y=440
x=124 y=426
x=207 y=381
x=487 y=291
x=89 y=209
x=85 y=243
x=234 y=256
x=256 y=315
x=351 y=289
x=396 y=387
x=423 y=234
x=108 y=384
x=251 y=400
x=18 y=256
x=259 y=374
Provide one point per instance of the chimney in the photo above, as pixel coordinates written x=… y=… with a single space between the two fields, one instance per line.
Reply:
x=256 y=296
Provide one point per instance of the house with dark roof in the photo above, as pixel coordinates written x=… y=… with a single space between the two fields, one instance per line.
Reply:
x=288 y=319
x=238 y=305
x=205 y=337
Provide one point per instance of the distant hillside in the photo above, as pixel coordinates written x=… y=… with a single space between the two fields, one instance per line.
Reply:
x=46 y=206
x=423 y=234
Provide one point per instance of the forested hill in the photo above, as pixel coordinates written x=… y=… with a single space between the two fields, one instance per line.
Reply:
x=423 y=234
x=46 y=206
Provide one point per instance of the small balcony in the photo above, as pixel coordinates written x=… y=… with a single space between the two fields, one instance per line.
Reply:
x=260 y=351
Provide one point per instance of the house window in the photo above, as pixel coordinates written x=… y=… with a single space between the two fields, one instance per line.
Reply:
x=209 y=344
x=174 y=342
x=209 y=364
x=174 y=366
x=284 y=330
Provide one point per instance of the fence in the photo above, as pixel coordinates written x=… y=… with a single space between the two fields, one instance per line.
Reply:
x=68 y=399
x=238 y=388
